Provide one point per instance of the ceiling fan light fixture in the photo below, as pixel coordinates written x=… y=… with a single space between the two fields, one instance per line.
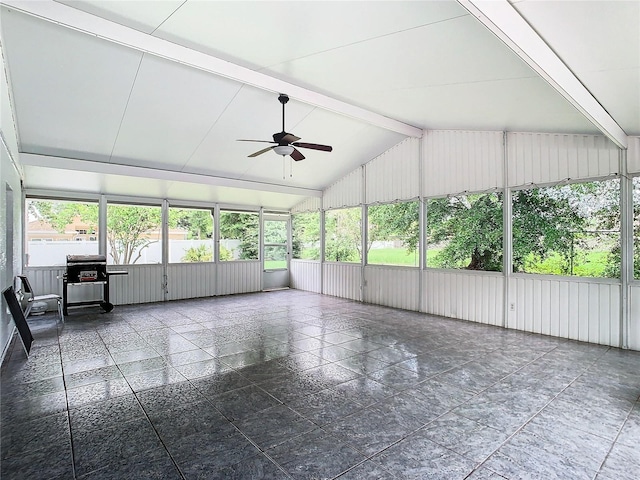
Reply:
x=283 y=149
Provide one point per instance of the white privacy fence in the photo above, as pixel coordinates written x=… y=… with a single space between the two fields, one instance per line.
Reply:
x=46 y=254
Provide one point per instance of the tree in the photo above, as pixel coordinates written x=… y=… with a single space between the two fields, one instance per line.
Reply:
x=129 y=227
x=243 y=227
x=306 y=235
x=470 y=228
x=198 y=223
x=343 y=235
x=128 y=231
x=395 y=220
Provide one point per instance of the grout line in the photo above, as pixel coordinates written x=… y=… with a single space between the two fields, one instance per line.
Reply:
x=615 y=440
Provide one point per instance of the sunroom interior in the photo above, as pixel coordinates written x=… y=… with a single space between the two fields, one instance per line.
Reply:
x=485 y=167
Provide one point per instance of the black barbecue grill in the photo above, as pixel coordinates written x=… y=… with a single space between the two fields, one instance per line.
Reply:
x=87 y=270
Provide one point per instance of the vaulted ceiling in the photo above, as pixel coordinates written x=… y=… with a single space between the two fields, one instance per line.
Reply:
x=148 y=98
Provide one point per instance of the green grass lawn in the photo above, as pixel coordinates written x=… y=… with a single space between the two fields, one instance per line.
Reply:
x=393 y=256
x=274 y=264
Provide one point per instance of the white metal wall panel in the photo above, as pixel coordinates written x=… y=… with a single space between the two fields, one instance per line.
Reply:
x=477 y=297
x=634 y=317
x=239 y=277
x=143 y=284
x=346 y=192
x=309 y=204
x=394 y=175
x=584 y=310
x=633 y=155
x=45 y=280
x=305 y=275
x=342 y=280
x=191 y=280
x=392 y=286
x=458 y=161
x=540 y=158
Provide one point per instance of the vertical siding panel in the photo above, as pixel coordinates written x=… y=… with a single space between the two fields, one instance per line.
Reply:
x=457 y=161
x=582 y=302
x=544 y=305
x=542 y=158
x=305 y=275
x=604 y=317
x=633 y=155
x=564 y=327
x=555 y=315
x=594 y=303
x=393 y=175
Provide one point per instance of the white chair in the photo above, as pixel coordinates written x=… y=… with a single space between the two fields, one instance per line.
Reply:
x=32 y=298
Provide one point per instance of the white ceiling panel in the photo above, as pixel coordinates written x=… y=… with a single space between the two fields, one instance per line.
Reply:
x=53 y=179
x=69 y=89
x=233 y=196
x=527 y=105
x=600 y=42
x=458 y=51
x=145 y=15
x=459 y=56
x=254 y=114
x=619 y=92
x=171 y=109
x=259 y=34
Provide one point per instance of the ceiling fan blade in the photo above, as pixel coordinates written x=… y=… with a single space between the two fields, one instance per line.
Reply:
x=296 y=155
x=260 y=152
x=259 y=141
x=286 y=138
x=313 y=146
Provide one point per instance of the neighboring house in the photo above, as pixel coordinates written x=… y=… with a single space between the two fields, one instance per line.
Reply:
x=79 y=231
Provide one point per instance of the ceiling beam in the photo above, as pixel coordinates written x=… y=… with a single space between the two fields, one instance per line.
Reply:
x=47 y=161
x=505 y=22
x=99 y=27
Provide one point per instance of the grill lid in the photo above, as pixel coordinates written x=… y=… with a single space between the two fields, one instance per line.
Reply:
x=86 y=259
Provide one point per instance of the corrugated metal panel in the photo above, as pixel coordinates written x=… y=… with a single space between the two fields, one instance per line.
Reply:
x=476 y=297
x=305 y=275
x=458 y=161
x=394 y=175
x=239 y=277
x=393 y=287
x=346 y=192
x=191 y=280
x=342 y=280
x=569 y=308
x=45 y=280
x=143 y=284
x=309 y=204
x=543 y=158
x=634 y=318
x=633 y=155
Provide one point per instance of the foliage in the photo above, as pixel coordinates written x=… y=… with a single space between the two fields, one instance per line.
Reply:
x=243 y=227
x=201 y=253
x=306 y=235
x=470 y=229
x=128 y=228
x=198 y=223
x=343 y=235
x=395 y=221
x=60 y=214
x=225 y=254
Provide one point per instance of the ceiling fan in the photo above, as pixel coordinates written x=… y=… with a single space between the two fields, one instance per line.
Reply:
x=286 y=143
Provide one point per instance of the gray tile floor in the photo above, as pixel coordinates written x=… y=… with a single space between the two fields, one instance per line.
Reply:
x=290 y=384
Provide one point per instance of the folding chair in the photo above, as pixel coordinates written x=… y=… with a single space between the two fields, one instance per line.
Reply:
x=32 y=298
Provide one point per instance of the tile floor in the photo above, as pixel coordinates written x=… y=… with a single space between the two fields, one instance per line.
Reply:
x=290 y=384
